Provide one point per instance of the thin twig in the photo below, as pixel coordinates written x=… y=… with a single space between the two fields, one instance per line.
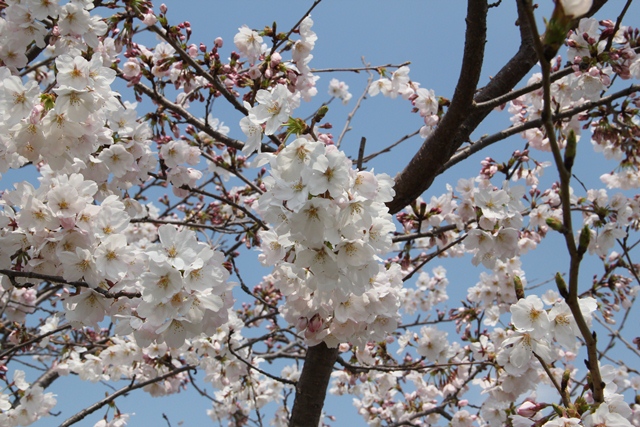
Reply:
x=11 y=274
x=107 y=400
x=390 y=147
x=347 y=123
x=263 y=372
x=358 y=69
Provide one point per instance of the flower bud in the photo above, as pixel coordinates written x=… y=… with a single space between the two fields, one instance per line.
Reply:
x=585 y=238
x=315 y=324
x=562 y=286
x=566 y=376
x=149 y=18
x=528 y=409
x=517 y=283
x=555 y=224
x=302 y=323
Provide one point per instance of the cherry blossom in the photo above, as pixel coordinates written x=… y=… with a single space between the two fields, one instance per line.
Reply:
x=126 y=257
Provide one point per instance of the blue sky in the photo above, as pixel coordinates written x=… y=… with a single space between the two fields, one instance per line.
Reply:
x=430 y=34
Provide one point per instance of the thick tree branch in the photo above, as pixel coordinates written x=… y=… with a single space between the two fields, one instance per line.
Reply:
x=442 y=144
x=312 y=386
x=437 y=149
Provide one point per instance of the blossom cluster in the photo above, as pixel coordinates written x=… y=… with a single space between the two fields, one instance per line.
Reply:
x=34 y=403
x=424 y=100
x=329 y=226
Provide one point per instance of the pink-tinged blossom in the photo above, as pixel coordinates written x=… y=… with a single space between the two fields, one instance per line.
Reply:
x=79 y=265
x=41 y=9
x=606 y=239
x=249 y=43
x=206 y=272
x=433 y=344
x=273 y=108
x=463 y=419
x=563 y=326
x=174 y=332
x=117 y=159
x=578 y=40
x=492 y=202
x=314 y=222
x=297 y=155
x=295 y=193
x=340 y=90
x=77 y=104
x=12 y=53
x=253 y=131
x=602 y=417
x=113 y=257
x=87 y=308
x=520 y=354
x=65 y=202
x=73 y=71
x=529 y=315
x=178 y=247
x=36 y=215
x=17 y=100
x=273 y=247
x=563 y=422
x=382 y=85
x=330 y=173
x=74 y=20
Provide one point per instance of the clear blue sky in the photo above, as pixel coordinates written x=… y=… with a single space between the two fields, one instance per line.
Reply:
x=430 y=34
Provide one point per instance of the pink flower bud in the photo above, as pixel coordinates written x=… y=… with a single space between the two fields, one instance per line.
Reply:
x=163 y=8
x=218 y=42
x=528 y=409
x=315 y=324
x=149 y=18
x=36 y=114
x=192 y=50
x=302 y=323
x=276 y=58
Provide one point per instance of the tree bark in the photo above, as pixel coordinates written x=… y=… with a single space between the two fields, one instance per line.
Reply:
x=312 y=386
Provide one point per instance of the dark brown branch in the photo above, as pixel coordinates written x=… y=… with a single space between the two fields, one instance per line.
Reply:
x=442 y=144
x=390 y=147
x=312 y=386
x=513 y=130
x=31 y=341
x=11 y=274
x=438 y=148
x=214 y=80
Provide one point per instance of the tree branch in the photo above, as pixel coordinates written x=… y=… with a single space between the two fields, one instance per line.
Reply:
x=312 y=386
x=437 y=149
x=442 y=144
